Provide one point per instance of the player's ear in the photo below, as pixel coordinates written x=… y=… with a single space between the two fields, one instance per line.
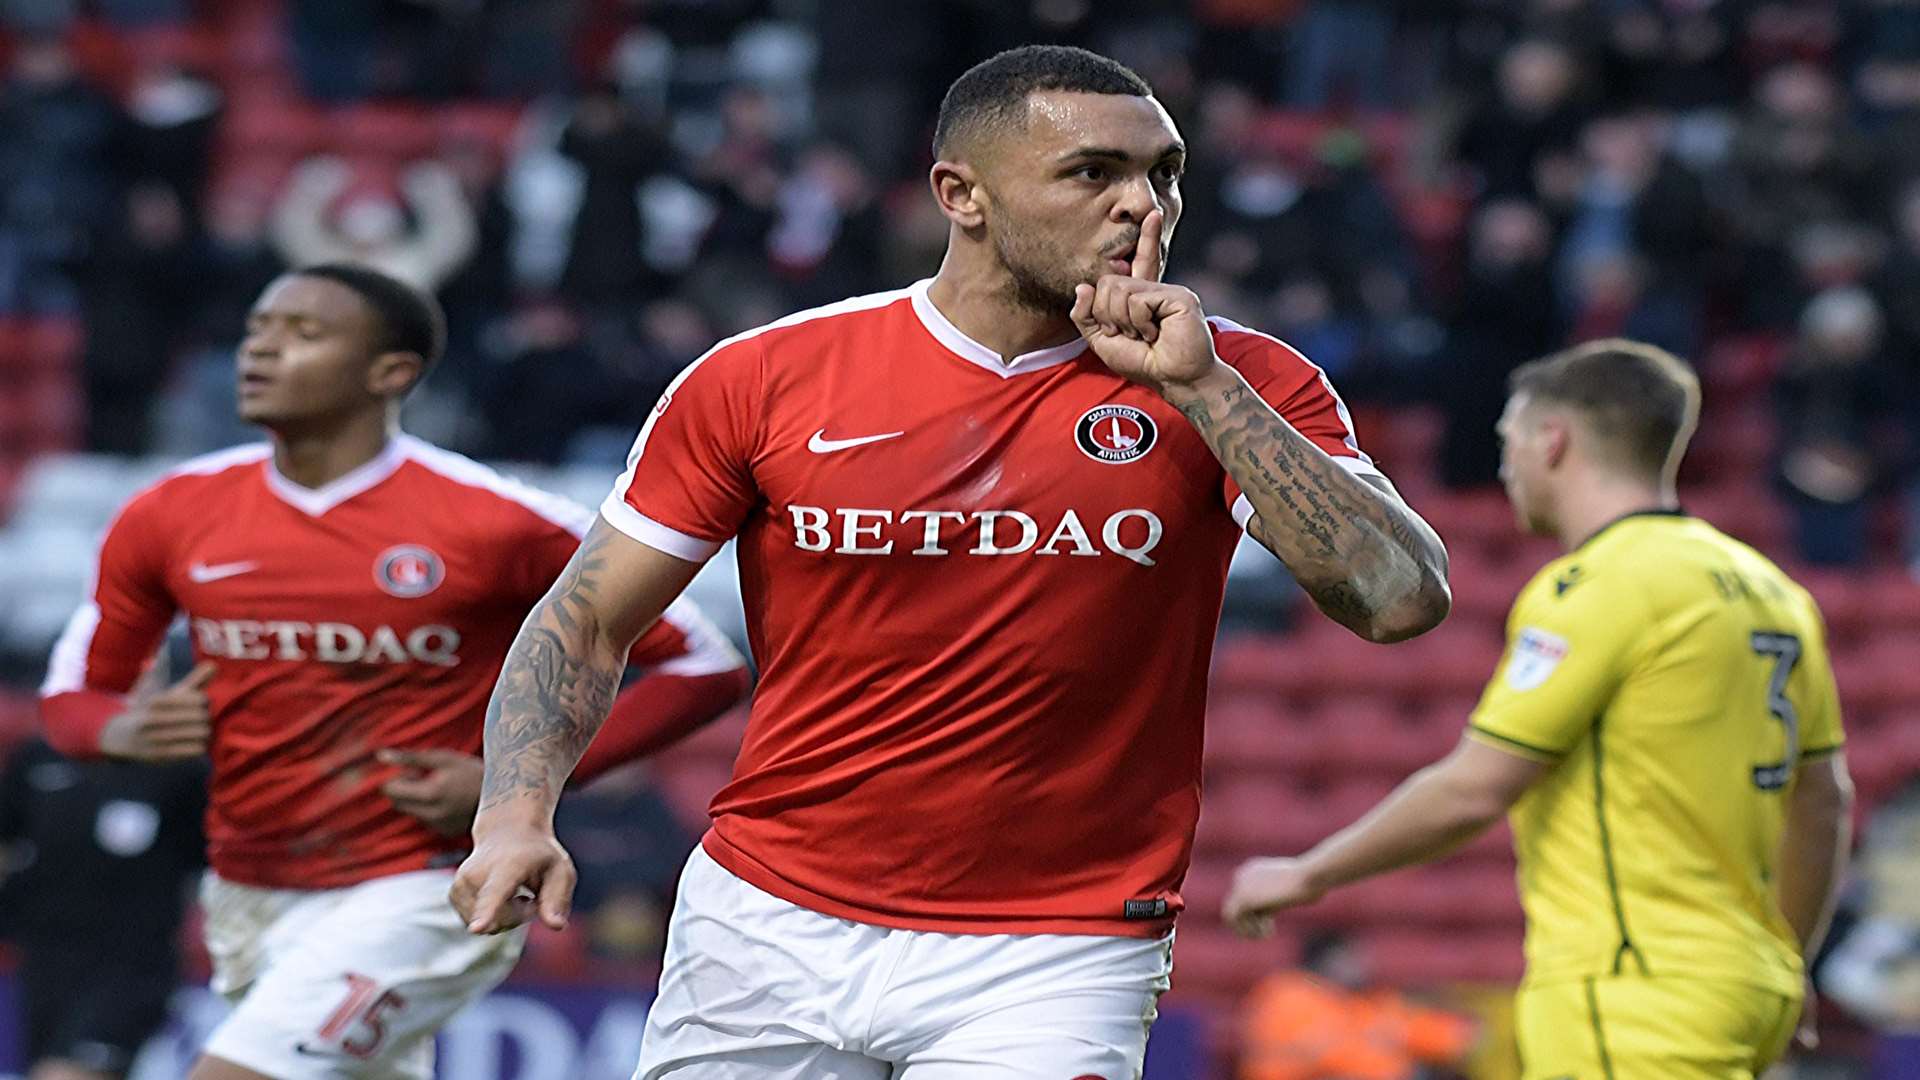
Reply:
x=392 y=374
x=1556 y=438
x=956 y=188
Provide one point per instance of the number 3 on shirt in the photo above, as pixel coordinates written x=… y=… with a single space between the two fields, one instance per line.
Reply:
x=1784 y=650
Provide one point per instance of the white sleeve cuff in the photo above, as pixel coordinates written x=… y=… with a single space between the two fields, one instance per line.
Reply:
x=1358 y=466
x=655 y=535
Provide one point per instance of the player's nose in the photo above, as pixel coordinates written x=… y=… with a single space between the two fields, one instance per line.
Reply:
x=1137 y=199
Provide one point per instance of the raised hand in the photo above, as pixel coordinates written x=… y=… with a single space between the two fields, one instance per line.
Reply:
x=162 y=723
x=1139 y=326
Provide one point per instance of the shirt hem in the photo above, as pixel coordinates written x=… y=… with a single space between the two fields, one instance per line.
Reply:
x=249 y=872
x=746 y=868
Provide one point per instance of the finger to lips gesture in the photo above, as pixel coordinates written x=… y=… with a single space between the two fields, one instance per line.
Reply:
x=1139 y=326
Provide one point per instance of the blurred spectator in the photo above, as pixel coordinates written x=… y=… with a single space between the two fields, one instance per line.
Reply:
x=335 y=47
x=58 y=135
x=1795 y=162
x=1329 y=1022
x=1505 y=316
x=742 y=171
x=616 y=150
x=1831 y=397
x=1899 y=279
x=1340 y=53
x=1537 y=109
x=1872 y=966
x=235 y=264
x=1883 y=58
x=100 y=858
x=131 y=290
x=829 y=228
x=174 y=114
x=371 y=228
x=1634 y=200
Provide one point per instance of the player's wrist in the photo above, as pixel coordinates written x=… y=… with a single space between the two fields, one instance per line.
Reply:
x=513 y=817
x=1207 y=387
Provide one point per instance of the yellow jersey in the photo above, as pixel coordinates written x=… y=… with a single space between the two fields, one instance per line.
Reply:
x=1676 y=678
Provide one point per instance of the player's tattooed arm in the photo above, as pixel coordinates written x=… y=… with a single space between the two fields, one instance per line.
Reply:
x=1364 y=556
x=555 y=689
x=564 y=669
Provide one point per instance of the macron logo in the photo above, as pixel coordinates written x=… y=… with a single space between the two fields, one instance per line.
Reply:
x=820 y=444
x=201 y=573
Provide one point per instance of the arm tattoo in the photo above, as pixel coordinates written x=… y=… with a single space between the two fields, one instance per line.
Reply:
x=1359 y=552
x=555 y=689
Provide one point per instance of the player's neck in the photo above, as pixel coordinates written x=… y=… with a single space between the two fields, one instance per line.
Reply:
x=1590 y=507
x=982 y=307
x=314 y=458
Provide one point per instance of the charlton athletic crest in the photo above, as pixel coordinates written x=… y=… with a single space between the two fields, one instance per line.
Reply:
x=408 y=571
x=1115 y=434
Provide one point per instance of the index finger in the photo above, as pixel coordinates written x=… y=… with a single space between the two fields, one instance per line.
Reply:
x=1146 y=251
x=489 y=906
x=198 y=678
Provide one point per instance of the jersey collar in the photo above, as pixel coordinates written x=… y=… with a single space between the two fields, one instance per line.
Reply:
x=975 y=353
x=1656 y=512
x=316 y=501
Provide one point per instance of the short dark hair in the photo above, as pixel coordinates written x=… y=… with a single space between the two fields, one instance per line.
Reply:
x=1640 y=399
x=410 y=319
x=993 y=92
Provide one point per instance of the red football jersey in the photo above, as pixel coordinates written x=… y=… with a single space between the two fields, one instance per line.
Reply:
x=983 y=596
x=374 y=612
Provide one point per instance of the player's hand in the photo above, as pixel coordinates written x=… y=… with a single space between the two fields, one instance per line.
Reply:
x=439 y=787
x=162 y=723
x=1806 y=1036
x=1140 y=327
x=1262 y=887
x=514 y=873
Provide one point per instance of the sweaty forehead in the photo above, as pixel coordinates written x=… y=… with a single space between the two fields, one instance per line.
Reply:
x=1060 y=122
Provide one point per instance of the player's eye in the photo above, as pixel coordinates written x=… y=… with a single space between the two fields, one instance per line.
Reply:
x=1091 y=172
x=1168 y=174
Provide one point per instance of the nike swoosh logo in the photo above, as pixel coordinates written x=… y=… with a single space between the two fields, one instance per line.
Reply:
x=820 y=444
x=201 y=573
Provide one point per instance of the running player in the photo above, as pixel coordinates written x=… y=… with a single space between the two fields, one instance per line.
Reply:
x=351 y=593
x=984 y=530
x=1665 y=730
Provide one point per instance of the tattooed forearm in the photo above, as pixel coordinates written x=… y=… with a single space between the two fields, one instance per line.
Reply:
x=554 y=691
x=1366 y=559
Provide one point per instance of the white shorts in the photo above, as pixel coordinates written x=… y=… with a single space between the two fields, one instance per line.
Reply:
x=349 y=982
x=756 y=988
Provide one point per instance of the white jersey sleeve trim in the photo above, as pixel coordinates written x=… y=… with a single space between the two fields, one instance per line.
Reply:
x=708 y=650
x=653 y=534
x=67 y=666
x=556 y=509
x=1243 y=507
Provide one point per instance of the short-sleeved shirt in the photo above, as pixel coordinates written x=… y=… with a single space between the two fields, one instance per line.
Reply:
x=983 y=596
x=1678 y=678
x=371 y=613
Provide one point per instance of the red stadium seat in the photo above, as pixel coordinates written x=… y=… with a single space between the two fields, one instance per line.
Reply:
x=396 y=132
x=1424 y=959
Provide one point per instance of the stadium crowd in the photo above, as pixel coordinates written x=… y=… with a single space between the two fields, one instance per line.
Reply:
x=1420 y=196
